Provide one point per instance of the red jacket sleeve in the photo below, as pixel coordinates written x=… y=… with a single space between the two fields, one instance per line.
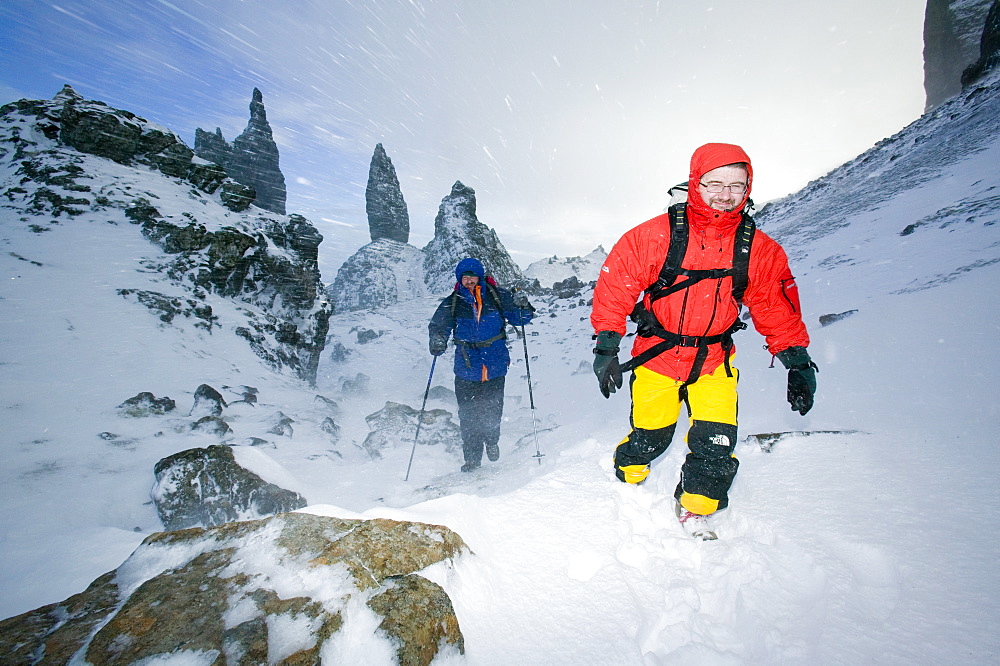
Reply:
x=773 y=297
x=633 y=264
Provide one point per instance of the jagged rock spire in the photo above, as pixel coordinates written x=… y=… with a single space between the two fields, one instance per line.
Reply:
x=458 y=233
x=387 y=214
x=252 y=159
x=255 y=159
x=67 y=93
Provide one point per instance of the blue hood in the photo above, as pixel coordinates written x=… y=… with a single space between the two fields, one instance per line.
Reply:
x=469 y=264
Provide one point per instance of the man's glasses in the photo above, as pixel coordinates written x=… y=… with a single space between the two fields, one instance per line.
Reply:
x=715 y=187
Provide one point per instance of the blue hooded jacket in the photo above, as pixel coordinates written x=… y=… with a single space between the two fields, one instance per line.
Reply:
x=474 y=318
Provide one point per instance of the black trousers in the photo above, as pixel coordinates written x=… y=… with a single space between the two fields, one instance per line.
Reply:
x=480 y=407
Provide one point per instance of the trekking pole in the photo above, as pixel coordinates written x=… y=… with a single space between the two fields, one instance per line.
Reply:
x=531 y=397
x=420 y=418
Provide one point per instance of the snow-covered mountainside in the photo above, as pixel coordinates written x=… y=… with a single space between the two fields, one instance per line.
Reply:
x=933 y=183
x=68 y=165
x=869 y=540
x=555 y=269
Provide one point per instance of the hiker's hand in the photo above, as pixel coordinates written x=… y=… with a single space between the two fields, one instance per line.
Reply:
x=438 y=346
x=606 y=367
x=521 y=301
x=801 y=378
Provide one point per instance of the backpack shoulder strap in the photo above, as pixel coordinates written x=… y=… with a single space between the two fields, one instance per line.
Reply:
x=678 y=242
x=675 y=253
x=741 y=256
x=491 y=289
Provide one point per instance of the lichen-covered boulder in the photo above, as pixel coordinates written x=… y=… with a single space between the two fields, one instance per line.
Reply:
x=275 y=590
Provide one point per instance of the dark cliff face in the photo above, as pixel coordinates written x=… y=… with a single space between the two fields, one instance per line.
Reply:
x=264 y=264
x=953 y=33
x=252 y=159
x=387 y=214
x=989 y=48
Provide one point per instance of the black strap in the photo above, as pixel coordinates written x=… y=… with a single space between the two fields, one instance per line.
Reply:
x=494 y=294
x=670 y=340
x=665 y=285
x=483 y=343
x=679 y=232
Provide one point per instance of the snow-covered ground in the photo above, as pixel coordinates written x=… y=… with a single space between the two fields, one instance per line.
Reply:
x=840 y=548
x=872 y=543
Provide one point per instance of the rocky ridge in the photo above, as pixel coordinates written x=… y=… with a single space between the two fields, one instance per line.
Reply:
x=558 y=269
x=185 y=206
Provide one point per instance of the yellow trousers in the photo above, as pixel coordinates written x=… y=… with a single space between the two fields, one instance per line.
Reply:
x=712 y=404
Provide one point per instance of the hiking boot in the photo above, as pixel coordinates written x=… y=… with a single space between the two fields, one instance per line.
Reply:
x=493 y=452
x=469 y=467
x=696 y=525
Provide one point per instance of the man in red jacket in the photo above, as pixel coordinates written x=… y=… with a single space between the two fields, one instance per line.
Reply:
x=691 y=327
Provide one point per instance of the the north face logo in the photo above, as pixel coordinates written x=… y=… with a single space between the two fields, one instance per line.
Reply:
x=721 y=440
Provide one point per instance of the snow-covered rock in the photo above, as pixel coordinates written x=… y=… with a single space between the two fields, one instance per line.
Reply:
x=280 y=590
x=205 y=487
x=381 y=273
x=458 y=234
x=555 y=269
x=396 y=424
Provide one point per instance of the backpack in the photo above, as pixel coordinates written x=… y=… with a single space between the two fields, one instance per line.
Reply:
x=668 y=283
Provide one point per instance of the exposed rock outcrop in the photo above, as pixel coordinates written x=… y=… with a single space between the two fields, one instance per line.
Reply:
x=252 y=159
x=387 y=214
x=387 y=270
x=458 y=234
x=206 y=487
x=265 y=591
x=396 y=423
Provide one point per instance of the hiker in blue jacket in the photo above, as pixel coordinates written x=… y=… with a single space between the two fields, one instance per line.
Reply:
x=477 y=313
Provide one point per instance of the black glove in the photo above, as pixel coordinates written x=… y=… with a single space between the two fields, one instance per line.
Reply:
x=521 y=300
x=438 y=345
x=801 y=378
x=609 y=373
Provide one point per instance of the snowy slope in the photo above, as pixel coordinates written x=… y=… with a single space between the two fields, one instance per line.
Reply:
x=867 y=546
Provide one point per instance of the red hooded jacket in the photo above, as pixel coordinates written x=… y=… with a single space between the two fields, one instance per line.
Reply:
x=707 y=307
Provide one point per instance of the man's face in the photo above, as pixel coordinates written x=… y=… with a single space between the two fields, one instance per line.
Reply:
x=727 y=199
x=470 y=281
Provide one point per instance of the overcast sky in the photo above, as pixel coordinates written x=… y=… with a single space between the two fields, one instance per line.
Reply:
x=570 y=118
